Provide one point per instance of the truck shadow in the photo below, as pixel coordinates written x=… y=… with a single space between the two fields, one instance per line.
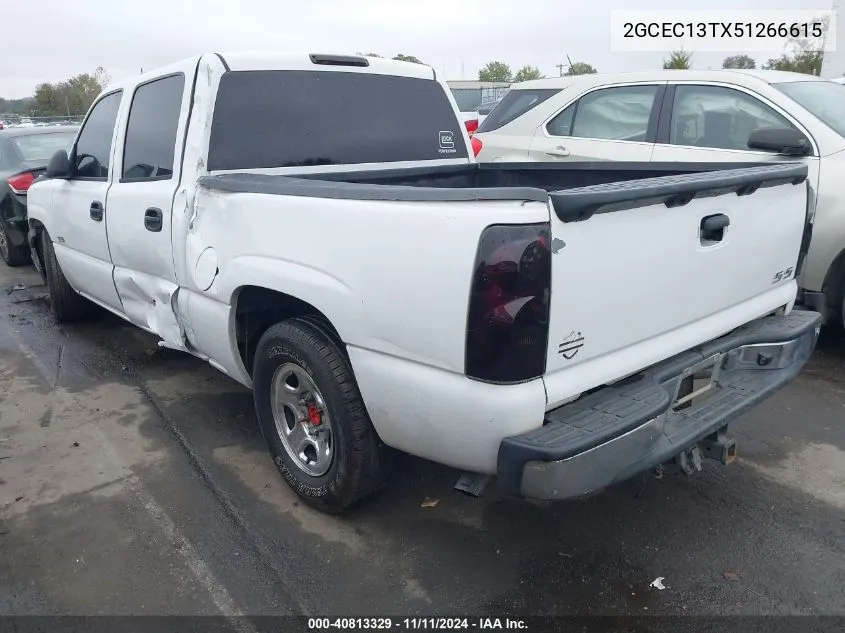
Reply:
x=491 y=554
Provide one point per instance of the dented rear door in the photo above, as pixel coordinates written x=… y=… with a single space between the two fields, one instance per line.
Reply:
x=140 y=203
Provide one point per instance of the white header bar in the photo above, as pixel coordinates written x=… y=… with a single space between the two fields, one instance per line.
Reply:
x=724 y=31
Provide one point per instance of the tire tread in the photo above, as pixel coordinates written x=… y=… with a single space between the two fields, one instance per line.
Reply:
x=366 y=458
x=66 y=304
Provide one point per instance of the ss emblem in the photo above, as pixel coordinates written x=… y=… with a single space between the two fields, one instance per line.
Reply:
x=782 y=275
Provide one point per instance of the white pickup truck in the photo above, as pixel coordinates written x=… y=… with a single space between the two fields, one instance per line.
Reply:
x=561 y=326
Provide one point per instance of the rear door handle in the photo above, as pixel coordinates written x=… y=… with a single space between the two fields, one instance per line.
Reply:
x=713 y=227
x=153 y=219
x=560 y=150
x=96 y=211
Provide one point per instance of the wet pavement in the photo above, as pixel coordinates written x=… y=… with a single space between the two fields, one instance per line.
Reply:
x=134 y=480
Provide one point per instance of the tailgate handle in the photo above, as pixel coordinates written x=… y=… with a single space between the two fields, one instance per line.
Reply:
x=713 y=227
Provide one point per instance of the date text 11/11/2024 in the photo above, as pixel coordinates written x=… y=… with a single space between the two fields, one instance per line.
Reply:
x=416 y=624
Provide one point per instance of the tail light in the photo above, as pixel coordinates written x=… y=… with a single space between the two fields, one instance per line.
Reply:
x=476 y=145
x=508 y=321
x=471 y=126
x=20 y=183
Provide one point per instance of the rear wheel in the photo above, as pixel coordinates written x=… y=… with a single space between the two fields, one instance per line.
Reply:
x=65 y=303
x=313 y=417
x=13 y=255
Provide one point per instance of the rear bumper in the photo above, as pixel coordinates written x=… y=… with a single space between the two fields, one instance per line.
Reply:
x=621 y=430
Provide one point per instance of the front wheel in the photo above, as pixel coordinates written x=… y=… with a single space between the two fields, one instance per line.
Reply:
x=313 y=417
x=65 y=303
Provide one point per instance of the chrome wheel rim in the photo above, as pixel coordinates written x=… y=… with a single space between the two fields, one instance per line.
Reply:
x=4 y=247
x=302 y=420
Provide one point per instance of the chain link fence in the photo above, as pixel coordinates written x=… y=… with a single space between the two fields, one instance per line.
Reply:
x=15 y=120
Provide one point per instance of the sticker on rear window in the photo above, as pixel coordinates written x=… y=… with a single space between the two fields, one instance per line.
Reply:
x=447 y=142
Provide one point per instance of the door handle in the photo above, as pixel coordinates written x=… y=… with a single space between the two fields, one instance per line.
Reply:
x=153 y=219
x=96 y=211
x=713 y=227
x=560 y=150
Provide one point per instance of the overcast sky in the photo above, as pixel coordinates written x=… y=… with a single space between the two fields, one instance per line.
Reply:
x=59 y=39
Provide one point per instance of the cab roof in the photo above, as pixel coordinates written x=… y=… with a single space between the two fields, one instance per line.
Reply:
x=734 y=76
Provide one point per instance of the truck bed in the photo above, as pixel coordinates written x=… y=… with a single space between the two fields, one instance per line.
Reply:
x=576 y=190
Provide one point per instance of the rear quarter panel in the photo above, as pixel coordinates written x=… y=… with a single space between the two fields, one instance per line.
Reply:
x=393 y=277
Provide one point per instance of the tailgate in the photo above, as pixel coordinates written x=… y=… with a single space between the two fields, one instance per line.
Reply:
x=643 y=260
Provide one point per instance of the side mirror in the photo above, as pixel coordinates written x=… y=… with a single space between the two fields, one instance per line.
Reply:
x=781 y=140
x=59 y=166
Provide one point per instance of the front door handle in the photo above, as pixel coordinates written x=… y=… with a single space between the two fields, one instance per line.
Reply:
x=153 y=219
x=96 y=211
x=560 y=150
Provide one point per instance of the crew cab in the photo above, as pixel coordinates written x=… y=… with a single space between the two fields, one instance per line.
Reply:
x=561 y=326
x=723 y=116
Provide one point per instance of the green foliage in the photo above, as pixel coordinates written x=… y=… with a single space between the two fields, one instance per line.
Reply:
x=73 y=96
x=495 y=71
x=678 y=60
x=803 y=54
x=580 y=68
x=739 y=61
x=407 y=58
x=806 y=62
x=527 y=73
x=17 y=106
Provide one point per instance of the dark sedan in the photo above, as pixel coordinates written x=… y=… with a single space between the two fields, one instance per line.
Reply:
x=24 y=154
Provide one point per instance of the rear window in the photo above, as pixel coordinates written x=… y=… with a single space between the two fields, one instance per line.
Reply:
x=265 y=119
x=514 y=104
x=40 y=147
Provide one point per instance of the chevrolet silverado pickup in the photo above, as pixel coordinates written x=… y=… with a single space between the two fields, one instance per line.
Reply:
x=562 y=327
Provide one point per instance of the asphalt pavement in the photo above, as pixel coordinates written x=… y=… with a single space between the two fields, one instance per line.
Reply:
x=134 y=480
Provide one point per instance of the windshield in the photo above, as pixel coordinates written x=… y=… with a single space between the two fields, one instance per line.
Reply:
x=825 y=99
x=40 y=147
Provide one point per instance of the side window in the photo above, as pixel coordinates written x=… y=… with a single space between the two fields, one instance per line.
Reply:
x=719 y=118
x=618 y=114
x=513 y=105
x=151 y=132
x=561 y=125
x=93 y=148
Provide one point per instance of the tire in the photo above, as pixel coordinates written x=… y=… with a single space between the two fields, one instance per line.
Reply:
x=65 y=303
x=297 y=352
x=13 y=255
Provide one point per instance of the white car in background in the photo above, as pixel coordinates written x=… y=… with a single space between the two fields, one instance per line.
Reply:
x=724 y=116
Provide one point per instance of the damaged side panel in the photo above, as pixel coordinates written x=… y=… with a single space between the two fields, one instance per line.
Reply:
x=150 y=302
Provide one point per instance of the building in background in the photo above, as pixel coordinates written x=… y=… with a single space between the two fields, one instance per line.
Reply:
x=470 y=95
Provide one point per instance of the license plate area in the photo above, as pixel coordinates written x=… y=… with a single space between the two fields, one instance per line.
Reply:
x=697 y=384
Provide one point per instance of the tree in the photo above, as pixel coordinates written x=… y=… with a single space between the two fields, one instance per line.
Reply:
x=580 y=68
x=739 y=61
x=370 y=55
x=72 y=97
x=527 y=73
x=102 y=76
x=678 y=60
x=803 y=54
x=17 y=106
x=495 y=71
x=407 y=58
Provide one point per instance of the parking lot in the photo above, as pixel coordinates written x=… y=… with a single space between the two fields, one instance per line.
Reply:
x=134 y=480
